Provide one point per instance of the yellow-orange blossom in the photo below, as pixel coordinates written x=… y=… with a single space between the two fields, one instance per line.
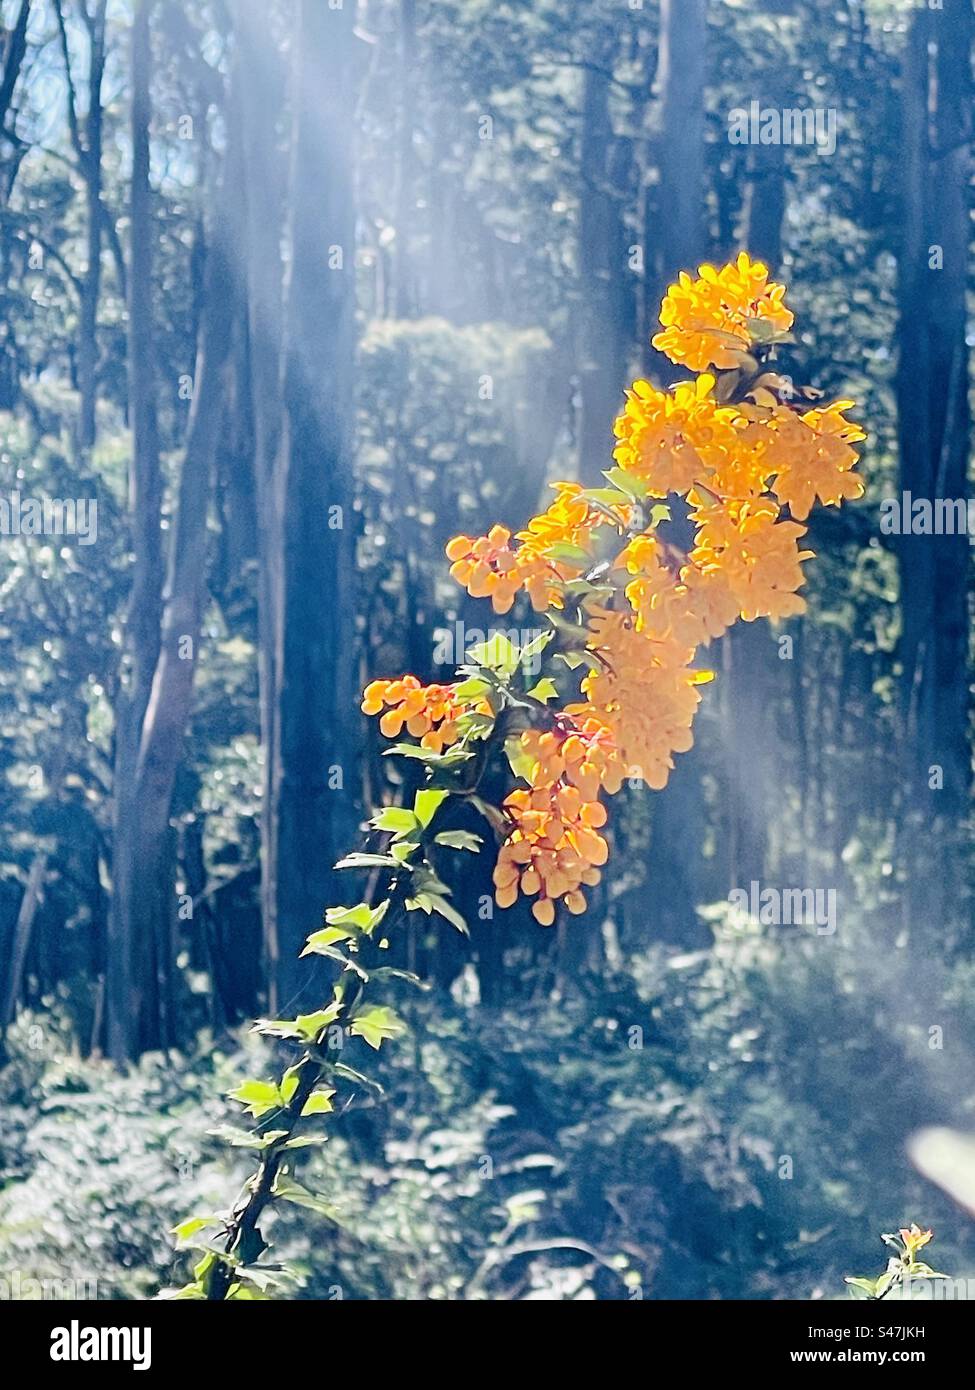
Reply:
x=740 y=455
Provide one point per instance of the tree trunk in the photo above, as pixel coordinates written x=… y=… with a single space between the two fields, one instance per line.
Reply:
x=403 y=275
x=933 y=430
x=145 y=500
x=91 y=285
x=317 y=730
x=263 y=92
x=14 y=51
x=602 y=269
x=140 y=924
x=677 y=238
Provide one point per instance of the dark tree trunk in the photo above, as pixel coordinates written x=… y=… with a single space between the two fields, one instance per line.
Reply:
x=318 y=729
x=677 y=240
x=403 y=277
x=602 y=271
x=264 y=92
x=749 y=655
x=88 y=150
x=14 y=51
x=933 y=431
x=677 y=235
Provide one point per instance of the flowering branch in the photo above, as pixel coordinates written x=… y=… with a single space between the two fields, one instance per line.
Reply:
x=746 y=455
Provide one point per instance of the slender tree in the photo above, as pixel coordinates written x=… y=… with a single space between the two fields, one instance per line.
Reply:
x=143 y=867
x=933 y=435
x=316 y=729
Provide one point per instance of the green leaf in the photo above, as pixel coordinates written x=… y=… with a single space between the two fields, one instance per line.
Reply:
x=319 y=1102
x=185 y=1230
x=427 y=755
x=565 y=554
x=343 y=925
x=473 y=689
x=492 y=814
x=377 y=1023
x=609 y=497
x=328 y=936
x=362 y=916
x=402 y=850
x=520 y=762
x=289 y=1191
x=459 y=839
x=426 y=803
x=257 y=1096
x=358 y=1078
x=289 y=1084
x=497 y=654
x=632 y=486
x=869 y=1286
x=396 y=818
x=277 y=1027
x=391 y=972
x=246 y=1139
x=310 y=1025
x=366 y=861
x=445 y=909
x=544 y=690
x=536 y=646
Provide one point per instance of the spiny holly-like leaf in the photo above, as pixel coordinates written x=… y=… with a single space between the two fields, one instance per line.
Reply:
x=319 y=1102
x=376 y=1023
x=627 y=482
x=289 y=1084
x=426 y=803
x=459 y=839
x=288 y=1190
x=257 y=1096
x=394 y=818
x=544 y=690
x=246 y=1139
x=451 y=914
x=427 y=755
x=869 y=1286
x=344 y=923
x=366 y=861
x=536 y=646
x=187 y=1229
x=476 y=688
x=497 y=654
x=520 y=762
x=563 y=553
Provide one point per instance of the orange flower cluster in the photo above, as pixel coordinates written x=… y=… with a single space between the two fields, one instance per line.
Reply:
x=747 y=468
x=644 y=693
x=554 y=848
x=544 y=559
x=429 y=712
x=709 y=321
